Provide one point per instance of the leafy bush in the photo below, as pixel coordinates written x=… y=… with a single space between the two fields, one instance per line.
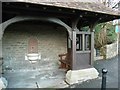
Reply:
x=100 y=35
x=104 y=34
x=111 y=35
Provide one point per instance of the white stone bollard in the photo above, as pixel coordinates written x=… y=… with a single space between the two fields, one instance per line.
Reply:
x=76 y=76
x=3 y=83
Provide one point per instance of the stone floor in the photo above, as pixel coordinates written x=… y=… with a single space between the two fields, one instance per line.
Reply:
x=36 y=79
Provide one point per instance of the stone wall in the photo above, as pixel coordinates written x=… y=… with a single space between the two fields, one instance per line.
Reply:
x=51 y=42
x=111 y=50
x=99 y=57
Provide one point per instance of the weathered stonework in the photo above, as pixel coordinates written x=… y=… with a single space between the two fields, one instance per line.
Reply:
x=52 y=42
x=77 y=76
x=3 y=83
x=111 y=50
x=97 y=57
x=108 y=51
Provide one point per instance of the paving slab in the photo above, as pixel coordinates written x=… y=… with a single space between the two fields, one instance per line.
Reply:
x=36 y=79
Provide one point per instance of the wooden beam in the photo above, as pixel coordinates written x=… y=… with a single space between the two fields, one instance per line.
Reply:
x=75 y=23
x=24 y=18
x=83 y=51
x=83 y=32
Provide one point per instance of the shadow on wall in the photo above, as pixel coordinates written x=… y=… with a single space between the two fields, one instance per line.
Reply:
x=51 y=42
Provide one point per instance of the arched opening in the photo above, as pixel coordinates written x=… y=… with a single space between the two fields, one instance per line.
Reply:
x=47 y=39
x=51 y=40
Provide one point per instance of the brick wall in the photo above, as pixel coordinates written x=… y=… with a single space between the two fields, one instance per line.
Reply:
x=51 y=42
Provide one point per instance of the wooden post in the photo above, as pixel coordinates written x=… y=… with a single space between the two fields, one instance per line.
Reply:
x=74 y=28
x=83 y=43
x=92 y=48
x=74 y=50
x=92 y=44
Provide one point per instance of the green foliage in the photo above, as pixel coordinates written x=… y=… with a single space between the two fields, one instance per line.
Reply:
x=98 y=28
x=85 y=28
x=100 y=35
x=111 y=35
x=104 y=34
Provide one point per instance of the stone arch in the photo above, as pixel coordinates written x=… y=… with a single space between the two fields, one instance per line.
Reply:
x=19 y=33
x=25 y=18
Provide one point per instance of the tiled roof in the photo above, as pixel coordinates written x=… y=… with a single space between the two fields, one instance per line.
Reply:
x=73 y=4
